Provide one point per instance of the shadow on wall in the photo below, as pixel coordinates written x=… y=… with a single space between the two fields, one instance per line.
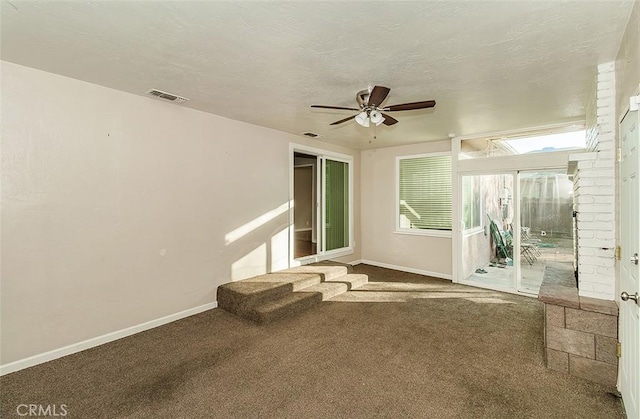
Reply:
x=258 y=256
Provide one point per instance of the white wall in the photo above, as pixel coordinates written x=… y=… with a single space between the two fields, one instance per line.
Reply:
x=380 y=243
x=119 y=209
x=614 y=84
x=628 y=62
x=594 y=193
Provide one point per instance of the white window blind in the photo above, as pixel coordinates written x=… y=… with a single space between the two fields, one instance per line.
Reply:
x=425 y=192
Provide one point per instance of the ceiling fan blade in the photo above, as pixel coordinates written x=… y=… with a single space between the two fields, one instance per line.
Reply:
x=389 y=120
x=343 y=120
x=411 y=106
x=334 y=107
x=378 y=95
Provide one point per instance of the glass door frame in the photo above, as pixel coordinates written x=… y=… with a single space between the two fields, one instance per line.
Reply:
x=503 y=164
x=517 y=222
x=539 y=256
x=321 y=252
x=515 y=225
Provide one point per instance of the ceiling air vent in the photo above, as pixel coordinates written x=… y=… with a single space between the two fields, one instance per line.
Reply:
x=166 y=96
x=311 y=134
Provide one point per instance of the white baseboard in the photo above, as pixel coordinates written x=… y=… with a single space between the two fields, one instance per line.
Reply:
x=100 y=340
x=405 y=269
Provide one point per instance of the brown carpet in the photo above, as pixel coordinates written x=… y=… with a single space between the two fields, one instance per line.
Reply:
x=447 y=351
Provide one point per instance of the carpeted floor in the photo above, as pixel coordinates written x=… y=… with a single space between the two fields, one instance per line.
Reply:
x=441 y=351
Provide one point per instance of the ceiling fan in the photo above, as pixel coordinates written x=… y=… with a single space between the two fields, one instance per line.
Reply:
x=370 y=109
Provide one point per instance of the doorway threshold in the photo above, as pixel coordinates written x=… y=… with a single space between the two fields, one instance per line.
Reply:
x=496 y=288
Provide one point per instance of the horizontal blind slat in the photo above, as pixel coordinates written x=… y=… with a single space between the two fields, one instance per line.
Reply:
x=426 y=192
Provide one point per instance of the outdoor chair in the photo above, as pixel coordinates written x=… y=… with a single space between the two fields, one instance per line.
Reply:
x=498 y=235
x=504 y=246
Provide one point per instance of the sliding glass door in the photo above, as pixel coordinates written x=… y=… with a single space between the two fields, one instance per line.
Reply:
x=324 y=228
x=515 y=225
x=546 y=225
x=487 y=233
x=336 y=206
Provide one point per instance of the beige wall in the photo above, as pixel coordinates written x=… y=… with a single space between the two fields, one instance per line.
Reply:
x=380 y=243
x=628 y=62
x=119 y=209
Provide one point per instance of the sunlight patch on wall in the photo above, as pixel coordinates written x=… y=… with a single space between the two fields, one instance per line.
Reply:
x=252 y=264
x=280 y=250
x=248 y=227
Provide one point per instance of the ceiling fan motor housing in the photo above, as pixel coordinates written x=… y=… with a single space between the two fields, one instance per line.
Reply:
x=362 y=97
x=370 y=107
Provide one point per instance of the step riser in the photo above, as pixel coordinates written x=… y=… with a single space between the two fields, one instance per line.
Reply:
x=238 y=302
x=304 y=283
x=352 y=280
x=288 y=310
x=335 y=291
x=327 y=289
x=327 y=273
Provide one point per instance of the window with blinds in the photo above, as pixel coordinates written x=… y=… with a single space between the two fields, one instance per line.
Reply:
x=424 y=193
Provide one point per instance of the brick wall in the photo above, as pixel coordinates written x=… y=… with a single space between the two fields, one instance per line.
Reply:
x=595 y=192
x=582 y=341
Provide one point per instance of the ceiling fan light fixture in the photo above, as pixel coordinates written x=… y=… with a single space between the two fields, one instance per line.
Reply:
x=363 y=119
x=376 y=117
x=370 y=106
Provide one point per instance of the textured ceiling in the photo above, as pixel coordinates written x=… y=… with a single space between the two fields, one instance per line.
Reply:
x=490 y=65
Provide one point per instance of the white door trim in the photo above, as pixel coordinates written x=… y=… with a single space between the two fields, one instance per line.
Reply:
x=321 y=155
x=629 y=316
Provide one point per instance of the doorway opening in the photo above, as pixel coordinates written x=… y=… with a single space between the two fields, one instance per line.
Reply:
x=304 y=196
x=487 y=235
x=546 y=225
x=322 y=219
x=515 y=224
